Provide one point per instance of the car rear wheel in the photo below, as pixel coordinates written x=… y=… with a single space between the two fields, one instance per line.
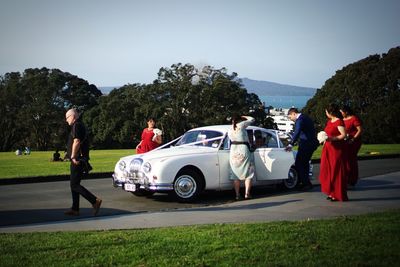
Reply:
x=187 y=185
x=292 y=180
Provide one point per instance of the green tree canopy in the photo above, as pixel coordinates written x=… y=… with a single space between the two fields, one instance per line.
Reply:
x=182 y=98
x=34 y=104
x=371 y=87
x=115 y=122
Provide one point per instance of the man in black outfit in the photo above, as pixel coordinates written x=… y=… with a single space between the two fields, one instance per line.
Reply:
x=78 y=152
x=304 y=132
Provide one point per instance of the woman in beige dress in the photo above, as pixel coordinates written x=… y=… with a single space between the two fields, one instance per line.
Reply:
x=241 y=159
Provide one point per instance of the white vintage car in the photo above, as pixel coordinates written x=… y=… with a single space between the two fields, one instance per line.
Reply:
x=199 y=160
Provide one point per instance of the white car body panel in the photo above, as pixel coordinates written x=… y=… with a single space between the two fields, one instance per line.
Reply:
x=208 y=156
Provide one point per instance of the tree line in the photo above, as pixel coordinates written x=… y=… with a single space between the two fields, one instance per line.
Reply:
x=33 y=106
x=33 y=103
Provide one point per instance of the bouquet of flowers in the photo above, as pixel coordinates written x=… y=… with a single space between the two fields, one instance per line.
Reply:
x=322 y=137
x=156 y=132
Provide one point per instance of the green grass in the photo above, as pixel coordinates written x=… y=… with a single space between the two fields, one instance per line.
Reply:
x=369 y=150
x=366 y=240
x=39 y=164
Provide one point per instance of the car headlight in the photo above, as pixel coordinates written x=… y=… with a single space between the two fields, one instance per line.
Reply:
x=147 y=167
x=121 y=165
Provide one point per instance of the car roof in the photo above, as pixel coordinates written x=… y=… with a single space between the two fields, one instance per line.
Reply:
x=224 y=128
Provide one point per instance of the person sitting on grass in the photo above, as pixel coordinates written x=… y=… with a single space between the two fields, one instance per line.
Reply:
x=56 y=156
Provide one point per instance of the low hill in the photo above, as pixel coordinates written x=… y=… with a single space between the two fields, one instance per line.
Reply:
x=266 y=88
x=107 y=89
x=260 y=88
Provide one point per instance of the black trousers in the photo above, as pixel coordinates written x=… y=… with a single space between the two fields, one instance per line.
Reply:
x=302 y=163
x=76 y=187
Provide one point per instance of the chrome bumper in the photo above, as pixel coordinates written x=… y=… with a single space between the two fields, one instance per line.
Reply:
x=145 y=186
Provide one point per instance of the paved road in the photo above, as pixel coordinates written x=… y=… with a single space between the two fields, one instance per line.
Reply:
x=43 y=204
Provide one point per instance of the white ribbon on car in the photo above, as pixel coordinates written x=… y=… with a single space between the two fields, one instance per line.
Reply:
x=203 y=141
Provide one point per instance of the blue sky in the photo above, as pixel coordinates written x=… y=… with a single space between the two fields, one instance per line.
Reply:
x=112 y=43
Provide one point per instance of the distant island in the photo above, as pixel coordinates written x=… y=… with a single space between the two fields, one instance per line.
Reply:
x=107 y=89
x=260 y=88
x=265 y=88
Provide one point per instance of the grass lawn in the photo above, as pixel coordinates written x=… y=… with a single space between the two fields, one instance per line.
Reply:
x=369 y=150
x=366 y=240
x=39 y=164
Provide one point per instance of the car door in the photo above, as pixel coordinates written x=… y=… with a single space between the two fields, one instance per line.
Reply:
x=224 y=167
x=271 y=160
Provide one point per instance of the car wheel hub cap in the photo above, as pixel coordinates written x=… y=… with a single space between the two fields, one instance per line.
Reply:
x=185 y=186
x=292 y=179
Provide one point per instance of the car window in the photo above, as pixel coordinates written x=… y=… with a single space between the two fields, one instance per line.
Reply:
x=258 y=139
x=265 y=139
x=170 y=143
x=250 y=134
x=226 y=145
x=200 y=138
x=187 y=138
x=285 y=138
x=270 y=140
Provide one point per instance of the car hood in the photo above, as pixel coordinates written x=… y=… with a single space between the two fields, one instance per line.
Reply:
x=171 y=152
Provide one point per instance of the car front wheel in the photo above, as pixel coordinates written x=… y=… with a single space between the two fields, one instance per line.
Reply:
x=292 y=179
x=187 y=185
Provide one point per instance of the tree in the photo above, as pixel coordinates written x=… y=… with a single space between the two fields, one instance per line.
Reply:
x=36 y=102
x=176 y=83
x=182 y=98
x=204 y=97
x=10 y=105
x=371 y=87
x=114 y=121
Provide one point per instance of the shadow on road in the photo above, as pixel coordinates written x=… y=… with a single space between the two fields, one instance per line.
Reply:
x=252 y=206
x=206 y=199
x=18 y=217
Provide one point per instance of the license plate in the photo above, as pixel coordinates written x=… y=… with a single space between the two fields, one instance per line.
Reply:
x=130 y=187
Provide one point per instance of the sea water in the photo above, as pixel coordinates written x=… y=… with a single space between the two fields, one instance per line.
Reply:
x=285 y=101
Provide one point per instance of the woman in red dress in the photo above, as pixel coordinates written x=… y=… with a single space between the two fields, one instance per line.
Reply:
x=150 y=140
x=353 y=129
x=332 y=176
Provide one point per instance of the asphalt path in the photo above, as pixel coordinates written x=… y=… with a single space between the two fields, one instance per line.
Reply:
x=38 y=203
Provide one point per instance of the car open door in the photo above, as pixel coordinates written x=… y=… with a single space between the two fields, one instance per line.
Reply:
x=271 y=160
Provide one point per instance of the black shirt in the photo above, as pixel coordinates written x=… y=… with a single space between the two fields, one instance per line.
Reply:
x=78 y=131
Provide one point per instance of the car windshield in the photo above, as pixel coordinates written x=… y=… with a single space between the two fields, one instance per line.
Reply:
x=201 y=138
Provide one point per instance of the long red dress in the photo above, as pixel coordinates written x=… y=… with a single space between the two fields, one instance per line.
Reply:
x=332 y=174
x=147 y=143
x=352 y=148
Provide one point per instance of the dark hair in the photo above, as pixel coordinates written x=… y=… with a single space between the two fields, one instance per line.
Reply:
x=151 y=119
x=347 y=109
x=334 y=110
x=291 y=110
x=235 y=119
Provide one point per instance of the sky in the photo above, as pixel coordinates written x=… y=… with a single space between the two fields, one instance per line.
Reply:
x=113 y=43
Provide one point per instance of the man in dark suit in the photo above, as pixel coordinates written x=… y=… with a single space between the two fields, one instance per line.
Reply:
x=304 y=133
